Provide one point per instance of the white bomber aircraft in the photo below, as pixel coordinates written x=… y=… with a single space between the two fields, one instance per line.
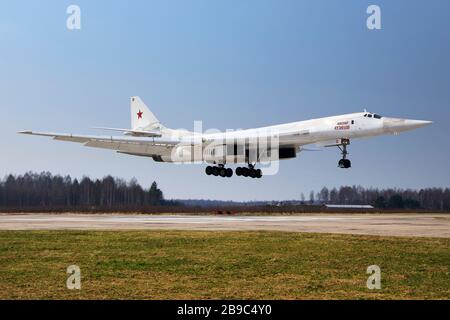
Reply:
x=148 y=137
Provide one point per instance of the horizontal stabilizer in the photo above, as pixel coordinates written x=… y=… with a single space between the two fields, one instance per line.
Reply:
x=140 y=133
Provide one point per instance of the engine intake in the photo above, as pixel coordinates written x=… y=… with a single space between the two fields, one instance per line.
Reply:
x=286 y=153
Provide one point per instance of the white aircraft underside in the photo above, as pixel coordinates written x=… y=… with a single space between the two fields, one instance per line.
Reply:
x=148 y=137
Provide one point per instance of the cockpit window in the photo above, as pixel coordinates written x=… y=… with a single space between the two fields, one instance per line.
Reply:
x=374 y=115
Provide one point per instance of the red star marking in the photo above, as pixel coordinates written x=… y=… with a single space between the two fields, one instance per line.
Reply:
x=139 y=114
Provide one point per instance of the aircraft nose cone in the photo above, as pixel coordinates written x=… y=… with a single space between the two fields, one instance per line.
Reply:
x=414 y=124
x=396 y=125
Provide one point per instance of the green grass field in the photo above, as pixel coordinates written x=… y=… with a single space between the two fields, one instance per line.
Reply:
x=220 y=265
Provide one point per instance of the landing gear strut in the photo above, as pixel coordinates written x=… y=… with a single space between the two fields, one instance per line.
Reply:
x=219 y=171
x=344 y=162
x=249 y=172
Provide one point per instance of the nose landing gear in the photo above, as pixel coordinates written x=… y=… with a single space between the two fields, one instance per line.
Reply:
x=344 y=162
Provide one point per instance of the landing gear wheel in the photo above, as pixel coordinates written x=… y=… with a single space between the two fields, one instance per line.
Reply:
x=347 y=163
x=215 y=171
x=223 y=172
x=208 y=170
x=344 y=163
x=249 y=172
x=229 y=173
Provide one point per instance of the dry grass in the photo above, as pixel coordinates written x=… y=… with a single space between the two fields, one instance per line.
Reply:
x=220 y=265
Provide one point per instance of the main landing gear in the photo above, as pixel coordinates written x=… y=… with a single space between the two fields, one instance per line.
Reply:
x=223 y=172
x=219 y=171
x=344 y=162
x=249 y=172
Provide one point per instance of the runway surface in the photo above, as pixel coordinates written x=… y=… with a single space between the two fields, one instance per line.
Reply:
x=411 y=225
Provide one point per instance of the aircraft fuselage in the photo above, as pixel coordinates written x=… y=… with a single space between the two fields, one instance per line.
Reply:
x=149 y=138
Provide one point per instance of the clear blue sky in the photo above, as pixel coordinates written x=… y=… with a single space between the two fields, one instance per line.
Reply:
x=232 y=64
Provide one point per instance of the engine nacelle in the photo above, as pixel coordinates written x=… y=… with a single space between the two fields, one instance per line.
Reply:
x=158 y=158
x=222 y=154
x=181 y=154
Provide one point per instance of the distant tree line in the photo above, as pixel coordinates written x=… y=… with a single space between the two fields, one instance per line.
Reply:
x=45 y=190
x=428 y=198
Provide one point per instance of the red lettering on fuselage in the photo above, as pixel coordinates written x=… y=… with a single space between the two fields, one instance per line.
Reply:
x=343 y=125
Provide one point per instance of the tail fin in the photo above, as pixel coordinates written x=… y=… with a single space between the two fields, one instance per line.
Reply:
x=141 y=116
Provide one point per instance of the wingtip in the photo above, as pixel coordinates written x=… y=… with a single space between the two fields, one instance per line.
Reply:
x=25 y=132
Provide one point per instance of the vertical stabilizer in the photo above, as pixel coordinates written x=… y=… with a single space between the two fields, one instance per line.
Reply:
x=141 y=116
